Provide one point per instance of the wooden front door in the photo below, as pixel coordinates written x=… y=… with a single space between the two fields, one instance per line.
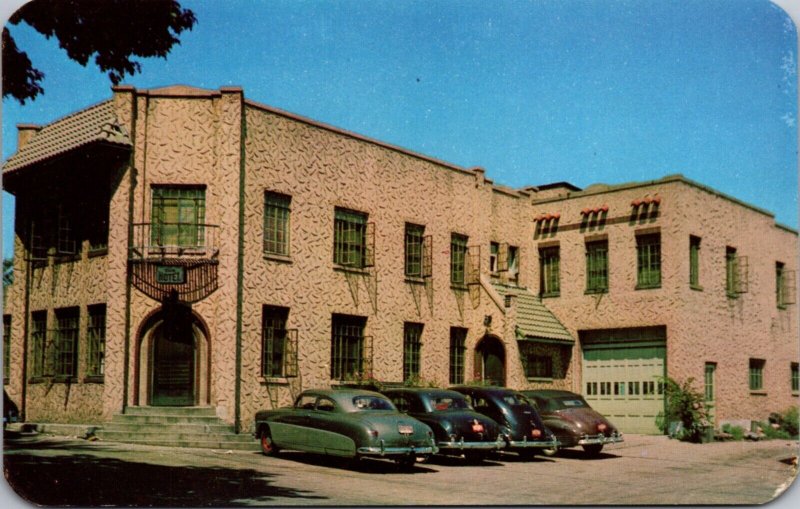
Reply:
x=490 y=361
x=174 y=355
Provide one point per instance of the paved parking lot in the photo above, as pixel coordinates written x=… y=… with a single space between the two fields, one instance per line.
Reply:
x=644 y=470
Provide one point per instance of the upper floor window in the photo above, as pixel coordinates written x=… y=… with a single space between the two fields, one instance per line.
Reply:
x=648 y=261
x=276 y=223
x=65 y=361
x=96 y=341
x=351 y=243
x=694 y=262
x=597 y=266
x=178 y=216
x=513 y=263
x=736 y=273
x=458 y=256
x=494 y=249
x=549 y=271
x=784 y=285
x=414 y=236
x=6 y=346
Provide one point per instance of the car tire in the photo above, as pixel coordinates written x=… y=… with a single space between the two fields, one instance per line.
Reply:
x=268 y=447
x=593 y=449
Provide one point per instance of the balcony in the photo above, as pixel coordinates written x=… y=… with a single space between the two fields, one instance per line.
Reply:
x=171 y=260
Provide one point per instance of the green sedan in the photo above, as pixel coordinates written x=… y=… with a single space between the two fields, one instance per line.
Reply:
x=348 y=423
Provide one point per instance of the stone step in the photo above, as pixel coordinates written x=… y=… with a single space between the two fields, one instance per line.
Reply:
x=172 y=410
x=165 y=419
x=252 y=445
x=169 y=436
x=135 y=427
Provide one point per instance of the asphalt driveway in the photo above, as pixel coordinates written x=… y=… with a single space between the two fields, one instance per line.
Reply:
x=644 y=470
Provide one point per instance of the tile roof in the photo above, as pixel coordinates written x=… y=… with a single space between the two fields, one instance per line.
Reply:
x=534 y=320
x=96 y=123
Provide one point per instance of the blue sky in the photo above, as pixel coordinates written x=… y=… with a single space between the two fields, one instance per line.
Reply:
x=533 y=91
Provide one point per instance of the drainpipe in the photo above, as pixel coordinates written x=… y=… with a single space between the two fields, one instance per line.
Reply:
x=239 y=266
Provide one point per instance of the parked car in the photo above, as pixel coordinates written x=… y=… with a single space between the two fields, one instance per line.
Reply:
x=573 y=421
x=349 y=423
x=458 y=429
x=520 y=423
x=10 y=410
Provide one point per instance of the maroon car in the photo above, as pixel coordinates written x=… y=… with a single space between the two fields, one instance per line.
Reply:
x=573 y=421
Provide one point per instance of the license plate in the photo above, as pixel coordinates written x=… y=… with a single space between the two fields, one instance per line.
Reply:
x=477 y=428
x=405 y=429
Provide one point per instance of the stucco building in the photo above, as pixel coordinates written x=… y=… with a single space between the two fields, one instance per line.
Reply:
x=188 y=247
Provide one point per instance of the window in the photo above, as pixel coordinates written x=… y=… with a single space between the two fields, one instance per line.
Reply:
x=736 y=273
x=795 y=378
x=549 y=271
x=757 y=374
x=65 y=341
x=458 y=253
x=6 y=346
x=273 y=340
x=711 y=368
x=694 y=262
x=458 y=345
x=39 y=366
x=597 y=266
x=538 y=366
x=781 y=285
x=412 y=332
x=347 y=347
x=413 y=249
x=648 y=261
x=513 y=263
x=494 y=248
x=276 y=223
x=178 y=216
x=633 y=388
x=96 y=341
x=350 y=239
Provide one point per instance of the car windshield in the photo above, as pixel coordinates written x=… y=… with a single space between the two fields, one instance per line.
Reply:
x=363 y=403
x=440 y=404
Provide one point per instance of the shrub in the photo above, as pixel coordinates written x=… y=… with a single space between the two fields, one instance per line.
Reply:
x=790 y=421
x=687 y=406
x=418 y=381
x=771 y=432
x=736 y=432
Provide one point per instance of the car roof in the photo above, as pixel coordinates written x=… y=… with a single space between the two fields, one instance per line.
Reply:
x=426 y=391
x=343 y=397
x=490 y=389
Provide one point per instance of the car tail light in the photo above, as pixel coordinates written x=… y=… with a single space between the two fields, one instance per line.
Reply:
x=536 y=433
x=373 y=433
x=477 y=427
x=601 y=427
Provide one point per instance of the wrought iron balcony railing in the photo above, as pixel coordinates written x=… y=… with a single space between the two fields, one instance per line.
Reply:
x=171 y=240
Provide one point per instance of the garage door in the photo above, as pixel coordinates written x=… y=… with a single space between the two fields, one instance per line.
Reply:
x=623 y=384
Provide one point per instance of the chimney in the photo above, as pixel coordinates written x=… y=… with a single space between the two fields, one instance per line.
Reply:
x=24 y=134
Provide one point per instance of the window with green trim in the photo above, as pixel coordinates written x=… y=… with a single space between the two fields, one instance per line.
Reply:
x=537 y=365
x=731 y=272
x=458 y=347
x=349 y=238
x=694 y=261
x=597 y=266
x=273 y=340
x=710 y=371
x=347 y=347
x=757 y=374
x=413 y=249
x=276 y=223
x=494 y=249
x=412 y=346
x=549 y=271
x=96 y=340
x=780 y=285
x=795 y=378
x=65 y=341
x=458 y=254
x=178 y=216
x=513 y=263
x=648 y=261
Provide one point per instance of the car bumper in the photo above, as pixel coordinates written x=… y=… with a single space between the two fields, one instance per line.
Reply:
x=406 y=450
x=526 y=444
x=600 y=439
x=461 y=445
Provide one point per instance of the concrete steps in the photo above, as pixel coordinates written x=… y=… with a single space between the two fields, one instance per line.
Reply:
x=175 y=427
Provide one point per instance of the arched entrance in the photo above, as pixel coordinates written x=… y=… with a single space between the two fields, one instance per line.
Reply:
x=490 y=361
x=172 y=360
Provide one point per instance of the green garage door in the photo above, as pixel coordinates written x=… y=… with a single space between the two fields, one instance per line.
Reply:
x=621 y=381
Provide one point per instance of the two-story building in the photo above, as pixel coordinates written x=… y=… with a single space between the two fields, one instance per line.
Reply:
x=188 y=247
